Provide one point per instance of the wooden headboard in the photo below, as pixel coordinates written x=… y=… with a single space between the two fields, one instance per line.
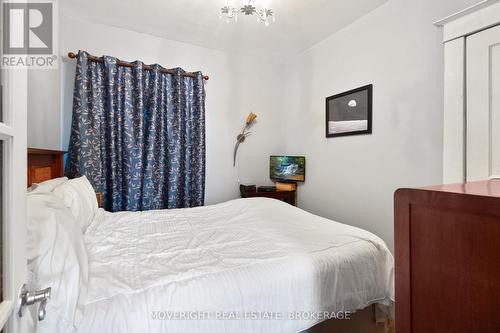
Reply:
x=44 y=164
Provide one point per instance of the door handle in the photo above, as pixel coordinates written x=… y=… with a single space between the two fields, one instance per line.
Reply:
x=27 y=298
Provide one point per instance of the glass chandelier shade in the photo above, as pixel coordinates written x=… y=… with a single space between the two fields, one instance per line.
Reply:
x=264 y=14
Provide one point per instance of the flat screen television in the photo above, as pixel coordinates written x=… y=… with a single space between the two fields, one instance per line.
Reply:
x=288 y=168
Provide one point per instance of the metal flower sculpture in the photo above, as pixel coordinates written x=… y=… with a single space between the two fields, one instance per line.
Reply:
x=241 y=137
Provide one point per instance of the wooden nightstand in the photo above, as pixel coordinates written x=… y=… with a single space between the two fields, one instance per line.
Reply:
x=286 y=196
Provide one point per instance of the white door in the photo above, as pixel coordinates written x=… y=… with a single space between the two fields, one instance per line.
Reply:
x=13 y=198
x=483 y=104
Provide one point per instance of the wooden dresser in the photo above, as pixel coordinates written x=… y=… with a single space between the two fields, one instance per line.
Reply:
x=286 y=196
x=447 y=252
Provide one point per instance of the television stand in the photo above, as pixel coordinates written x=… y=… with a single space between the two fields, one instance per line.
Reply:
x=286 y=196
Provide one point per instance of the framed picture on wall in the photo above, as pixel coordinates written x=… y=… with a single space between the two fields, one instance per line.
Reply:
x=349 y=113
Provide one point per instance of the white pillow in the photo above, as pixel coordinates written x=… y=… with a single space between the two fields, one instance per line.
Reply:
x=57 y=258
x=48 y=185
x=79 y=196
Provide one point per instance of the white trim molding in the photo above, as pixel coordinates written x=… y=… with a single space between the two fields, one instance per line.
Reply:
x=454 y=139
x=457 y=31
x=480 y=16
x=6 y=308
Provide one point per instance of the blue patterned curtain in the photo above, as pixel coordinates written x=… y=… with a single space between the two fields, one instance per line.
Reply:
x=138 y=135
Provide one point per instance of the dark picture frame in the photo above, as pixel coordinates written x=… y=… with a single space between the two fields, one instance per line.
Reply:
x=350 y=112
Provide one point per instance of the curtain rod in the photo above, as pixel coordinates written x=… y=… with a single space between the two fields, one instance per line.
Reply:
x=72 y=55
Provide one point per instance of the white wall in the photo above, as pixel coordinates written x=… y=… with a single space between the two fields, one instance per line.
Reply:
x=44 y=116
x=397 y=49
x=237 y=85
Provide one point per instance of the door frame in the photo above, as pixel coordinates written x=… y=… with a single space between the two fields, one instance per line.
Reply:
x=456 y=28
x=13 y=132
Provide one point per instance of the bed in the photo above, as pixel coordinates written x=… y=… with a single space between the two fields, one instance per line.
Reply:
x=246 y=265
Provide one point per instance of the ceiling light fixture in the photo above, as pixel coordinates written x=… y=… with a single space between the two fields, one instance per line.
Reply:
x=248 y=8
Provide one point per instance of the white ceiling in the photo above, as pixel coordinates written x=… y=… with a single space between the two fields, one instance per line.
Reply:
x=299 y=23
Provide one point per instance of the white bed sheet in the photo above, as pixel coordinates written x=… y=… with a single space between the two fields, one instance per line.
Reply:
x=257 y=259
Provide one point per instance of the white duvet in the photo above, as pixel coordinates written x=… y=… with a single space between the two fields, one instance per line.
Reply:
x=205 y=269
